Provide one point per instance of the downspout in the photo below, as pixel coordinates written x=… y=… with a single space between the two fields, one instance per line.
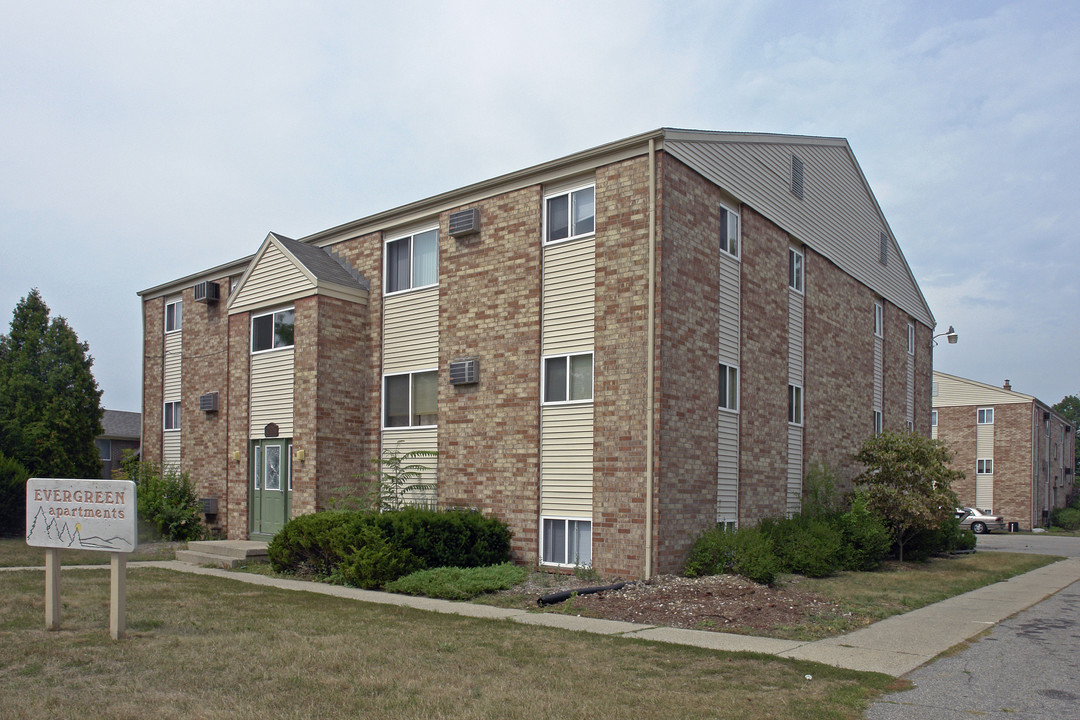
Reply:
x=650 y=427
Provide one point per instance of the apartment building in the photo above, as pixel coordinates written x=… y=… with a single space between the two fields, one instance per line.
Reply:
x=1016 y=453
x=611 y=351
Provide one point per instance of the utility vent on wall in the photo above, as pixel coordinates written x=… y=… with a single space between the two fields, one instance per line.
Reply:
x=796 y=177
x=465 y=222
x=464 y=371
x=208 y=402
x=207 y=292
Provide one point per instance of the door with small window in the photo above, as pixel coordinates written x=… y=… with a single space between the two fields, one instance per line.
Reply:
x=270 y=485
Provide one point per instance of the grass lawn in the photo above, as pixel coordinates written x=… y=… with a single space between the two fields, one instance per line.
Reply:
x=209 y=647
x=14 y=552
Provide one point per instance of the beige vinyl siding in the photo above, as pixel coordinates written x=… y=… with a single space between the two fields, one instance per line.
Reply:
x=170 y=447
x=730 y=308
x=566 y=460
x=795 y=338
x=954 y=391
x=569 y=296
x=727 y=467
x=838 y=216
x=411 y=331
x=171 y=380
x=272 y=392
x=879 y=373
x=409 y=440
x=275 y=278
x=795 y=464
x=984 y=450
x=910 y=394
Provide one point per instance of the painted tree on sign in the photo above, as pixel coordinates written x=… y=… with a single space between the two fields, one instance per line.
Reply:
x=907 y=483
x=51 y=409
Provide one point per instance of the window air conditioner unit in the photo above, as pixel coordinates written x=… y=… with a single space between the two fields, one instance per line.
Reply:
x=208 y=505
x=464 y=371
x=208 y=402
x=207 y=292
x=465 y=222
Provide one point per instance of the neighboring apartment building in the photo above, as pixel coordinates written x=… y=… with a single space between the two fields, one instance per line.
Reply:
x=1017 y=454
x=611 y=352
x=120 y=431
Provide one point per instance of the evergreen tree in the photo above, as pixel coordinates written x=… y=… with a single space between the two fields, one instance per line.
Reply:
x=50 y=404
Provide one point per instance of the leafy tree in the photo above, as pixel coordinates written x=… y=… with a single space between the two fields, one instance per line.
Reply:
x=51 y=407
x=907 y=483
x=13 y=477
x=399 y=479
x=1069 y=407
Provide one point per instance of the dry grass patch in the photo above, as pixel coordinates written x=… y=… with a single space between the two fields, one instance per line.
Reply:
x=213 y=648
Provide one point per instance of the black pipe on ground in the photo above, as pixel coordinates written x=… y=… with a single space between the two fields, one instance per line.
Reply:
x=559 y=597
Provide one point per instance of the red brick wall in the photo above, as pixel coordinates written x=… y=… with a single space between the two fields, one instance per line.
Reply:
x=620 y=368
x=306 y=421
x=956 y=428
x=924 y=378
x=489 y=307
x=153 y=378
x=203 y=437
x=764 y=369
x=1012 y=461
x=894 y=407
x=688 y=357
x=236 y=509
x=839 y=394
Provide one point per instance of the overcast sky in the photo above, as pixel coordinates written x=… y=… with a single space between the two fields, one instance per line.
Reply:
x=143 y=141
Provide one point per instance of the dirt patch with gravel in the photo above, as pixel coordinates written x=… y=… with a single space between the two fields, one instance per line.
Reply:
x=723 y=603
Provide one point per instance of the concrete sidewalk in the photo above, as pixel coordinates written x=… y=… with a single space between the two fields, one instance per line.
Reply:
x=894 y=646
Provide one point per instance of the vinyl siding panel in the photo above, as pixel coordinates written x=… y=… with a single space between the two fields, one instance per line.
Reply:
x=727 y=468
x=411 y=331
x=796 y=324
x=730 y=309
x=409 y=440
x=984 y=440
x=171 y=379
x=838 y=216
x=954 y=391
x=566 y=461
x=795 y=469
x=910 y=393
x=272 y=392
x=984 y=492
x=569 y=296
x=274 y=277
x=879 y=373
x=170 y=447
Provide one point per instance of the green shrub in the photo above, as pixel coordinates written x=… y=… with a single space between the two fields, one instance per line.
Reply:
x=821 y=498
x=805 y=545
x=865 y=539
x=451 y=583
x=747 y=552
x=1066 y=518
x=307 y=544
x=13 y=477
x=936 y=541
x=447 y=538
x=966 y=540
x=374 y=561
x=168 y=503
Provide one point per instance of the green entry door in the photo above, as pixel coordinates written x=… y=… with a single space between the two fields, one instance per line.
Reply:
x=271 y=485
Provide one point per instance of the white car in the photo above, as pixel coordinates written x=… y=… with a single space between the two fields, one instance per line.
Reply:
x=980 y=521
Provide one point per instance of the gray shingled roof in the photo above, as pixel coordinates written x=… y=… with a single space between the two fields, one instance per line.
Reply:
x=324 y=266
x=121 y=424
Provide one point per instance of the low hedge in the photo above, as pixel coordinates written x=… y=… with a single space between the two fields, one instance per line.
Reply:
x=370 y=549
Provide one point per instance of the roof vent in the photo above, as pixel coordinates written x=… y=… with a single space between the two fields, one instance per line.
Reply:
x=796 y=177
x=884 y=258
x=465 y=222
x=208 y=402
x=207 y=292
x=464 y=371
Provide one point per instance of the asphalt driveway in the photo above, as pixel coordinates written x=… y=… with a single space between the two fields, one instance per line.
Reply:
x=1038 y=543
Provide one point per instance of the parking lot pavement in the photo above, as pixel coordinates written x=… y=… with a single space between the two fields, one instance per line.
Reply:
x=1038 y=543
x=1025 y=667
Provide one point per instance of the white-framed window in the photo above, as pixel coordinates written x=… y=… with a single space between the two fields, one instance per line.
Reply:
x=172 y=416
x=984 y=466
x=568 y=378
x=729 y=231
x=795 y=270
x=911 y=338
x=570 y=214
x=412 y=261
x=104 y=449
x=728 y=391
x=174 y=315
x=909 y=425
x=985 y=416
x=411 y=399
x=933 y=418
x=794 y=404
x=877 y=422
x=879 y=319
x=566 y=541
x=272 y=330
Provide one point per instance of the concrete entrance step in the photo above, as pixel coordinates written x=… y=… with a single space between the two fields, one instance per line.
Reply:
x=222 y=553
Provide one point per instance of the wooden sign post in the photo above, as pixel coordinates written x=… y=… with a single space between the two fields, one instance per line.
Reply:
x=83 y=515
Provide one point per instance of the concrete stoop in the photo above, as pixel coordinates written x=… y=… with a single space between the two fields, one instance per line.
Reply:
x=222 y=553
